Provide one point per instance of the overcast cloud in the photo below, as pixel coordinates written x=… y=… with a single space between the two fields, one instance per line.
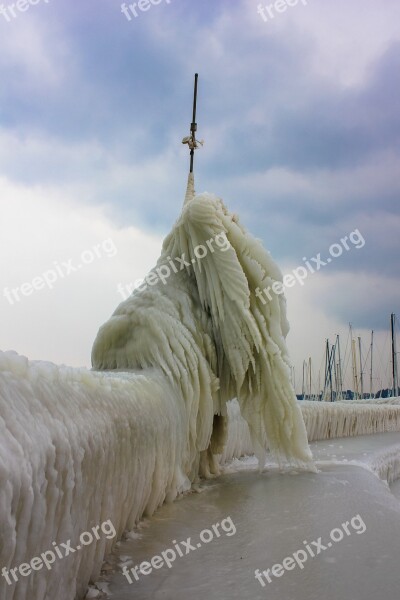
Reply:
x=301 y=119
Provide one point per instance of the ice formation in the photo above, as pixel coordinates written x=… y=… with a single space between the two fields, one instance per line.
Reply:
x=326 y=420
x=80 y=447
x=389 y=400
x=386 y=464
x=323 y=421
x=213 y=336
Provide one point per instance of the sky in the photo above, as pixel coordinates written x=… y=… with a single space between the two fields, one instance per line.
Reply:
x=299 y=108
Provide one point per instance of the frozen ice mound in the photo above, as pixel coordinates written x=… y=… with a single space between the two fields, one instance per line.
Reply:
x=78 y=447
x=208 y=328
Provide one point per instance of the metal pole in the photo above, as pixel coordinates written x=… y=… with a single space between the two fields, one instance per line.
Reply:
x=326 y=369
x=361 y=370
x=394 y=355
x=319 y=386
x=193 y=125
x=370 y=375
x=354 y=364
x=339 y=369
x=331 y=363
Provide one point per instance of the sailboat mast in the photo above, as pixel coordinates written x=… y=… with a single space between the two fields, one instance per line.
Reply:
x=326 y=370
x=370 y=373
x=319 y=385
x=339 y=369
x=361 y=369
x=394 y=354
x=354 y=365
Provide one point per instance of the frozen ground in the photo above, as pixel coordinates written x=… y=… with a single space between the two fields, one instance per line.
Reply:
x=274 y=514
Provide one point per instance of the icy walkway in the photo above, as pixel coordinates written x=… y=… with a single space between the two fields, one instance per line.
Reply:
x=273 y=515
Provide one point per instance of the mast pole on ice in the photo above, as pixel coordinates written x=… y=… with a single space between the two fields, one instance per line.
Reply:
x=192 y=143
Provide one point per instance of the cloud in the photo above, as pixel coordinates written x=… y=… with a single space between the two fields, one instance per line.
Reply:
x=44 y=231
x=324 y=307
x=301 y=126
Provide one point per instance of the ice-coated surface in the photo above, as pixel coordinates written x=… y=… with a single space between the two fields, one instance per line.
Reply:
x=79 y=448
x=274 y=514
x=209 y=328
x=341 y=419
x=391 y=400
x=323 y=420
x=379 y=453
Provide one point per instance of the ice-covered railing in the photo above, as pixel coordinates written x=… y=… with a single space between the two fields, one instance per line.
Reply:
x=390 y=400
x=326 y=420
x=78 y=448
x=81 y=448
x=323 y=420
x=385 y=464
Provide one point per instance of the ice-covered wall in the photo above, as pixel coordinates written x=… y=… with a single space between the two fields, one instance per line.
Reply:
x=391 y=400
x=323 y=420
x=78 y=448
x=326 y=420
x=385 y=464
